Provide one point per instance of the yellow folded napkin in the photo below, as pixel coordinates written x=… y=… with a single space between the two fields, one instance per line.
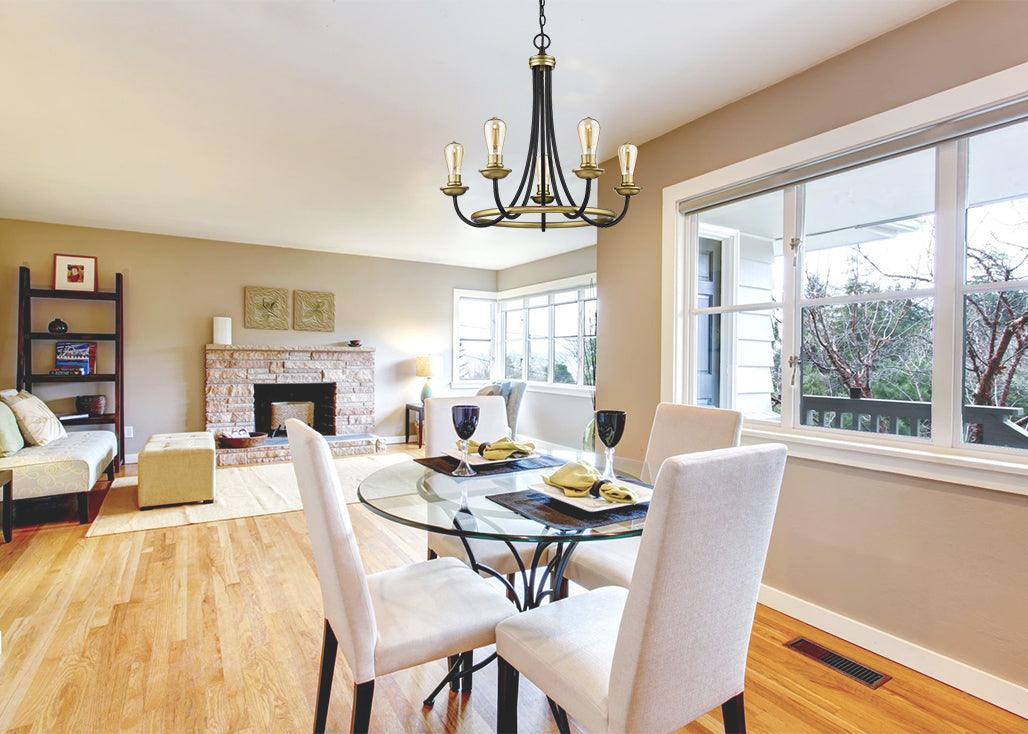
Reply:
x=504 y=448
x=578 y=479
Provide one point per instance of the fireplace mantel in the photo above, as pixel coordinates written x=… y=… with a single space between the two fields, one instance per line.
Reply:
x=232 y=371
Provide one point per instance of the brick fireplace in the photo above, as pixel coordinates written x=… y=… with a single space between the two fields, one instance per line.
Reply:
x=243 y=380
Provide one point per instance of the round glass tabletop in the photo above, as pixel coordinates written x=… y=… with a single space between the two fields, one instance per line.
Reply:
x=414 y=495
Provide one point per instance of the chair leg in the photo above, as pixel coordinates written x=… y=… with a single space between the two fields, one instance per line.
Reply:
x=328 y=664
x=467 y=660
x=110 y=471
x=734 y=714
x=83 y=503
x=560 y=716
x=8 y=512
x=360 y=720
x=510 y=594
x=451 y=660
x=506 y=697
x=562 y=592
x=431 y=554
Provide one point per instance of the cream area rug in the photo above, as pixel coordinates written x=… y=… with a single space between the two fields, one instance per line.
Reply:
x=242 y=491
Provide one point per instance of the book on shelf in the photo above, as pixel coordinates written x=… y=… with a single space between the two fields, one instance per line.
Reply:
x=69 y=370
x=74 y=355
x=72 y=416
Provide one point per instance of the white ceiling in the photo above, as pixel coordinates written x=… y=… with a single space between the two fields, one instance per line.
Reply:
x=320 y=125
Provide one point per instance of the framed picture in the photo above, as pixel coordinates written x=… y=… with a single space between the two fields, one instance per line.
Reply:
x=265 y=308
x=314 y=311
x=75 y=272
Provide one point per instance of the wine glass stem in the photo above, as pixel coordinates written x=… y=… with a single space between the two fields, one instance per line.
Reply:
x=608 y=465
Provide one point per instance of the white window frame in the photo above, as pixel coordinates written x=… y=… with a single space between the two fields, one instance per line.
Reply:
x=498 y=369
x=943 y=458
x=549 y=288
x=458 y=294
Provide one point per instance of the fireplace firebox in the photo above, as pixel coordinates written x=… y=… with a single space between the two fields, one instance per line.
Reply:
x=321 y=394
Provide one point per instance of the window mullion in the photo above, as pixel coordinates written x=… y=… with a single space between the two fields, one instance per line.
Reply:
x=947 y=387
x=793 y=200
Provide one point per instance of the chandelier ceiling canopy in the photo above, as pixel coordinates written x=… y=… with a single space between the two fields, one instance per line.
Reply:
x=552 y=204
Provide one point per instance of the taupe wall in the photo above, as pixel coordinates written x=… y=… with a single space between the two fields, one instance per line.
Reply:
x=940 y=564
x=174 y=286
x=576 y=262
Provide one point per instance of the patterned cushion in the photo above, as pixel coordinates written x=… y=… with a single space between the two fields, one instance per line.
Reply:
x=37 y=422
x=71 y=464
x=10 y=436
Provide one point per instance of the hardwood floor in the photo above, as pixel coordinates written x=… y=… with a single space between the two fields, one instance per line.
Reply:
x=217 y=627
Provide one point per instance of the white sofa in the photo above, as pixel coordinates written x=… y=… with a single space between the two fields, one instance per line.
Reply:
x=70 y=465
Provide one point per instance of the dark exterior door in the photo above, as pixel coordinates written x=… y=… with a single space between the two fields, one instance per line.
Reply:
x=708 y=338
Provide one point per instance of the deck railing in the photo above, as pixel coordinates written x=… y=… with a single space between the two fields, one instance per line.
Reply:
x=995 y=425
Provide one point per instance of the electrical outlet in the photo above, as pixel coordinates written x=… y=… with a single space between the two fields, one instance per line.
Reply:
x=130 y=432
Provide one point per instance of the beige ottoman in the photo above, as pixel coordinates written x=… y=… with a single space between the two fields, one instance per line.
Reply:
x=175 y=468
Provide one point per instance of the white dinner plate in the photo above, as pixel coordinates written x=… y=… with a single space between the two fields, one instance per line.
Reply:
x=476 y=460
x=590 y=503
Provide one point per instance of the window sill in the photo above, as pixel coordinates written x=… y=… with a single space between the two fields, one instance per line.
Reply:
x=574 y=390
x=936 y=463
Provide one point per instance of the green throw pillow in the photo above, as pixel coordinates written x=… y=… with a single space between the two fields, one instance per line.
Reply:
x=11 y=440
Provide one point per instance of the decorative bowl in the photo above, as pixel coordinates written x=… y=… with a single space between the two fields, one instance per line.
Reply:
x=91 y=404
x=256 y=438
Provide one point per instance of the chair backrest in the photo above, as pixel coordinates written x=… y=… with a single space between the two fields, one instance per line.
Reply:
x=686 y=429
x=439 y=432
x=681 y=649
x=344 y=586
x=513 y=392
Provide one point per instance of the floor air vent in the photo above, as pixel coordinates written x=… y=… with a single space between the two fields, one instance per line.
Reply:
x=856 y=671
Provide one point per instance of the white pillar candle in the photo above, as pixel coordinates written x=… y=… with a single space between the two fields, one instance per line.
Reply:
x=222 y=330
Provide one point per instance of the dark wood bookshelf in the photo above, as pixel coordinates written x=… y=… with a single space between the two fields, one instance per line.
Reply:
x=74 y=295
x=27 y=378
x=93 y=420
x=74 y=378
x=74 y=336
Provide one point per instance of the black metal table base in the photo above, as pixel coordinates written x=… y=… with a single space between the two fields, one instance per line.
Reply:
x=550 y=584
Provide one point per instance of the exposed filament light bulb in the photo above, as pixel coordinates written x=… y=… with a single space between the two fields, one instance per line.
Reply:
x=454 y=155
x=627 y=155
x=589 y=137
x=495 y=132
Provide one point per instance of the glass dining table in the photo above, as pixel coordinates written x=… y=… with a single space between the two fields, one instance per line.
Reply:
x=417 y=496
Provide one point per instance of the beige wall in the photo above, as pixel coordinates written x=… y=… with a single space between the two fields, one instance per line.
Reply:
x=174 y=286
x=576 y=262
x=947 y=567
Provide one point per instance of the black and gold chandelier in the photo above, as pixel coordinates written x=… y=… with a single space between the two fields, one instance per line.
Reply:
x=552 y=203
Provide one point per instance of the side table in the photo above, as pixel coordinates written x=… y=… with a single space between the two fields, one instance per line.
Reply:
x=419 y=410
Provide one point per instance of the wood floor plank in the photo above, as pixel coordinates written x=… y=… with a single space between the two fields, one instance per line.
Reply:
x=217 y=628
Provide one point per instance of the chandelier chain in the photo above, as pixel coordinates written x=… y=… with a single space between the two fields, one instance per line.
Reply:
x=542 y=40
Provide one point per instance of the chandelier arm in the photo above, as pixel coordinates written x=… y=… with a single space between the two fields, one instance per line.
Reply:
x=550 y=149
x=533 y=146
x=471 y=222
x=526 y=174
x=556 y=157
x=499 y=205
x=613 y=221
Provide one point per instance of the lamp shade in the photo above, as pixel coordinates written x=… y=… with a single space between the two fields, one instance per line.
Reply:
x=426 y=366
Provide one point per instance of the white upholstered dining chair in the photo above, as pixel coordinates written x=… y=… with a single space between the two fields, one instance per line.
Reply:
x=387 y=621
x=677 y=429
x=655 y=656
x=441 y=436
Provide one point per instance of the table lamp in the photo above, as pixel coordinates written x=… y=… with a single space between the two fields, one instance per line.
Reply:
x=426 y=366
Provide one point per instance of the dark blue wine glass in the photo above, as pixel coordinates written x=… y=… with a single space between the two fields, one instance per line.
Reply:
x=465 y=422
x=610 y=427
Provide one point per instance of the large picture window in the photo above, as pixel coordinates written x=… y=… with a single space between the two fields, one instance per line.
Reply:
x=890 y=297
x=550 y=337
x=544 y=334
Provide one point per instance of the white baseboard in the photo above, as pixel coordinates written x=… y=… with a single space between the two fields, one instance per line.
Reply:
x=978 y=683
x=131 y=458
x=395 y=439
